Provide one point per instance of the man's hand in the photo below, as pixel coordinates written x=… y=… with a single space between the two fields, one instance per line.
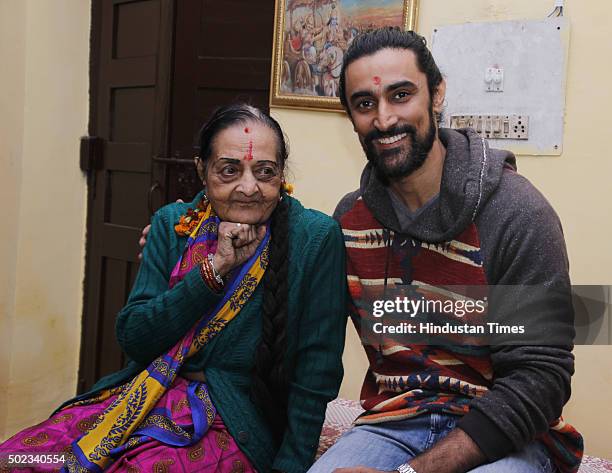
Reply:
x=236 y=243
x=145 y=231
x=359 y=469
x=455 y=453
x=143 y=239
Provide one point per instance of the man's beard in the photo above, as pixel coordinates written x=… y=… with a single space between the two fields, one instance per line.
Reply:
x=405 y=165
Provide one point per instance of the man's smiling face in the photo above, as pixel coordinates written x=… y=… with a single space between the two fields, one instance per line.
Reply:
x=392 y=111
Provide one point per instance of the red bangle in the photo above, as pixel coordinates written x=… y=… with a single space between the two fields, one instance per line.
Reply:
x=207 y=275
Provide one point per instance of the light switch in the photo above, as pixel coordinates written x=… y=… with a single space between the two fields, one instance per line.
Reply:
x=494 y=79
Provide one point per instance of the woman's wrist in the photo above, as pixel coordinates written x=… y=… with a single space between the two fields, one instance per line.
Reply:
x=218 y=277
x=219 y=265
x=208 y=274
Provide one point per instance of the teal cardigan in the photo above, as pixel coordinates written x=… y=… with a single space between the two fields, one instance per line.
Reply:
x=156 y=317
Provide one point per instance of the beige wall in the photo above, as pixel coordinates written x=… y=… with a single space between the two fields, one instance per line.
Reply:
x=44 y=49
x=12 y=55
x=327 y=161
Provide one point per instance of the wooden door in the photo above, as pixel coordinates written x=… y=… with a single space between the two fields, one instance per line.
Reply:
x=223 y=54
x=130 y=59
x=158 y=68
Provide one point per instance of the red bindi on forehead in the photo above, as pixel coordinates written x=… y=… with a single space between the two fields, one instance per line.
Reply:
x=247 y=130
x=376 y=80
x=249 y=155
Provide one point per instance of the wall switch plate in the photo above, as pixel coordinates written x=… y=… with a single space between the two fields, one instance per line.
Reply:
x=497 y=127
x=508 y=69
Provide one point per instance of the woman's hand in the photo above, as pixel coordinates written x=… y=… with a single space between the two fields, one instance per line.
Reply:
x=237 y=242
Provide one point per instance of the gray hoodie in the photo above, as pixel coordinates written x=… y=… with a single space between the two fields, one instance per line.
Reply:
x=522 y=245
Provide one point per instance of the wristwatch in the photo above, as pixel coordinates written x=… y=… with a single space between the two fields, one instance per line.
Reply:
x=405 y=468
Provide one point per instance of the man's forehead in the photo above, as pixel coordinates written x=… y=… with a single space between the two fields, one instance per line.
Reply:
x=383 y=67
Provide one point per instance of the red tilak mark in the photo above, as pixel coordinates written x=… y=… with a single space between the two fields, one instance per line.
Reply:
x=246 y=130
x=249 y=156
x=376 y=80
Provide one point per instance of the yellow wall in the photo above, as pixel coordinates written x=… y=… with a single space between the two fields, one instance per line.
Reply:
x=12 y=46
x=327 y=161
x=44 y=50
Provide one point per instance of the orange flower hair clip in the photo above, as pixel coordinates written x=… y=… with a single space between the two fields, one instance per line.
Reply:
x=189 y=221
x=288 y=188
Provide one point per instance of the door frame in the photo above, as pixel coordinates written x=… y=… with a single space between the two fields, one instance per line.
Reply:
x=90 y=325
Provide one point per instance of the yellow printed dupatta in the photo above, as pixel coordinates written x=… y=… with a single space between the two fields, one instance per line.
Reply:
x=96 y=449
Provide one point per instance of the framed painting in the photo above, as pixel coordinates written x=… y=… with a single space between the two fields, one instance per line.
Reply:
x=310 y=38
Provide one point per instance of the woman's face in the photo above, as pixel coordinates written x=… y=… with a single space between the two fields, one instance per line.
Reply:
x=243 y=178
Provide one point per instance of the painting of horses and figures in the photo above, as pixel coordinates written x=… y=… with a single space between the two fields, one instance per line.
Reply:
x=310 y=39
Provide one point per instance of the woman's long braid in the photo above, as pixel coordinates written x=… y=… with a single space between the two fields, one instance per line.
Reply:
x=270 y=379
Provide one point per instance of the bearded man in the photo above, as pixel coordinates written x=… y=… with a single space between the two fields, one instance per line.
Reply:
x=438 y=208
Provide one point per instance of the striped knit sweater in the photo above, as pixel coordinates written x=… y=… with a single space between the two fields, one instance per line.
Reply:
x=476 y=233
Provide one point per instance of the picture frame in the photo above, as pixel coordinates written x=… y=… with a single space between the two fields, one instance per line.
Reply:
x=310 y=38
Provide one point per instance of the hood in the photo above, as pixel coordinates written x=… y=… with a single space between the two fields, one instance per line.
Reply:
x=472 y=172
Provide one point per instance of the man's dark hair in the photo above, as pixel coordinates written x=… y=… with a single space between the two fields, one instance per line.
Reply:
x=367 y=44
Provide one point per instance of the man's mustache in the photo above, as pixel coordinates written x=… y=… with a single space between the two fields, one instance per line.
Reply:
x=398 y=130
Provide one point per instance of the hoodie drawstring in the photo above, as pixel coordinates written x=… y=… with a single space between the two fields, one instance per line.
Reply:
x=387 y=240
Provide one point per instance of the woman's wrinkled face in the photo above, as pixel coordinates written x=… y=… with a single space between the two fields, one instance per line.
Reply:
x=243 y=178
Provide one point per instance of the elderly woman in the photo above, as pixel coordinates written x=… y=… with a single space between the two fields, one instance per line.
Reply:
x=235 y=327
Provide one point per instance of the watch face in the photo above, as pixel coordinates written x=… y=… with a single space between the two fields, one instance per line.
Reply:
x=405 y=468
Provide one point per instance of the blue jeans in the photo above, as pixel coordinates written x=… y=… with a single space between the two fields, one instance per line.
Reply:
x=386 y=446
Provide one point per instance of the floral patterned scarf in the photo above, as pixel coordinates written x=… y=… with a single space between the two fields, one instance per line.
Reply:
x=124 y=418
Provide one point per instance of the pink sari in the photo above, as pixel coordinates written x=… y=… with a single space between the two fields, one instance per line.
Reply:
x=215 y=452
x=179 y=431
